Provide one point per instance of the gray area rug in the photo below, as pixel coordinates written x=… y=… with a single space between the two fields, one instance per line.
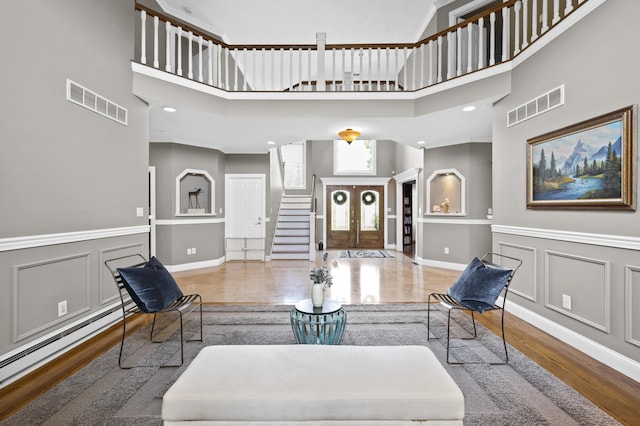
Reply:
x=358 y=254
x=520 y=393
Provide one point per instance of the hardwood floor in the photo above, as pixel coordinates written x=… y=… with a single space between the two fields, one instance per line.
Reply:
x=399 y=280
x=356 y=281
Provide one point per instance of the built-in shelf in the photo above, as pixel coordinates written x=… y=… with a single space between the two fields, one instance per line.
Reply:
x=195 y=193
x=446 y=193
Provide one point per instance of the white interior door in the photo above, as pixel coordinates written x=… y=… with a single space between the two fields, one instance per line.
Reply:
x=245 y=205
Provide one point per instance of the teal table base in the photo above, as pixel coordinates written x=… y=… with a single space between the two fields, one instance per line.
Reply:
x=318 y=329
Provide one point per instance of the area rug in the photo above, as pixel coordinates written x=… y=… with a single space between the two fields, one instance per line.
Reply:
x=519 y=393
x=356 y=254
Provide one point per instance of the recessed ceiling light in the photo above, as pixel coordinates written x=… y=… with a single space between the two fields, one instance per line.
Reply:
x=271 y=143
x=468 y=108
x=421 y=142
x=168 y=109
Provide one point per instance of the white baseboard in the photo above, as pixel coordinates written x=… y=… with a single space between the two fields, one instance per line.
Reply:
x=195 y=265
x=440 y=264
x=601 y=353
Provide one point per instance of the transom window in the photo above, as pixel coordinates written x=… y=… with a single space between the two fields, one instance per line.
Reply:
x=357 y=158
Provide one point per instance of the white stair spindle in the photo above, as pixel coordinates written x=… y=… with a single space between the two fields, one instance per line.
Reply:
x=440 y=59
x=470 y=47
x=534 y=20
x=370 y=70
x=361 y=83
x=235 y=69
x=353 y=70
x=451 y=66
x=167 y=31
x=525 y=23
x=404 y=68
x=516 y=44
x=219 y=66
x=481 y=43
x=227 y=67
x=200 y=76
x=430 y=80
x=282 y=53
x=254 y=60
x=179 y=56
x=321 y=81
x=396 y=71
x=190 y=68
x=492 y=42
x=386 y=71
x=272 y=55
x=556 y=12
x=291 y=68
x=569 y=8
x=414 y=73
x=458 y=51
x=506 y=34
x=421 y=66
x=545 y=17
x=245 y=58
x=333 y=69
x=156 y=23
x=210 y=63
x=300 y=70
x=143 y=37
x=344 y=70
x=263 y=67
x=309 y=78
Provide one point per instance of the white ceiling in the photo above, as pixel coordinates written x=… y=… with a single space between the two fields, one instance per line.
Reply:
x=296 y=22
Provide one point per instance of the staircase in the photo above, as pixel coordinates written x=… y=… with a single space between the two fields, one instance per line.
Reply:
x=292 y=235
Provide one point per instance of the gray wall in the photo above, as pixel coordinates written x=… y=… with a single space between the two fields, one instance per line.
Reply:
x=181 y=233
x=600 y=75
x=463 y=238
x=64 y=169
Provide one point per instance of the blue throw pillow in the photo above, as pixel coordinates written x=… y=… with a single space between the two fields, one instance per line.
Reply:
x=479 y=285
x=151 y=286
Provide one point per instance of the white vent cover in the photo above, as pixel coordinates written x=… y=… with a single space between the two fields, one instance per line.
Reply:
x=550 y=100
x=84 y=97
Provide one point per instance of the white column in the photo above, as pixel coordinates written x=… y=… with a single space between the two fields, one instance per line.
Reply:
x=143 y=37
x=321 y=41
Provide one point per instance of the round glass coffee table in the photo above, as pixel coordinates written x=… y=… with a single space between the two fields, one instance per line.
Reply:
x=319 y=326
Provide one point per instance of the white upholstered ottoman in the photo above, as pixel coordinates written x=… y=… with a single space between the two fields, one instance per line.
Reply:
x=314 y=385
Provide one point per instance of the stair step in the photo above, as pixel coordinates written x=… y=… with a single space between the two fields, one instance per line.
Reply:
x=291 y=248
x=293 y=219
x=280 y=232
x=292 y=240
x=293 y=225
x=297 y=198
x=295 y=212
x=291 y=206
x=289 y=256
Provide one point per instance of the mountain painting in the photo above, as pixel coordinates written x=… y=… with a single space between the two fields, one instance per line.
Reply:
x=583 y=165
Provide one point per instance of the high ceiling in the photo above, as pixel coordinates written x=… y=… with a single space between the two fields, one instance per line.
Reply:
x=297 y=22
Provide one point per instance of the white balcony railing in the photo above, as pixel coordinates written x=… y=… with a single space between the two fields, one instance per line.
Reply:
x=491 y=37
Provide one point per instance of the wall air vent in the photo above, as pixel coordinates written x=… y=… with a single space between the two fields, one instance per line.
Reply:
x=550 y=100
x=84 y=97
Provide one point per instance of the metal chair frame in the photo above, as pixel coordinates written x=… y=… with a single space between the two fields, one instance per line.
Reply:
x=450 y=304
x=183 y=306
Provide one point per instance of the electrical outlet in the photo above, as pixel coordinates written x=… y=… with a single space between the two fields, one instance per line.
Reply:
x=139 y=211
x=62 y=308
x=446 y=250
x=566 y=301
x=193 y=250
x=188 y=252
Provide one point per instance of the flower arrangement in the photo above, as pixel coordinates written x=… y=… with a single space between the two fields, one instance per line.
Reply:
x=322 y=275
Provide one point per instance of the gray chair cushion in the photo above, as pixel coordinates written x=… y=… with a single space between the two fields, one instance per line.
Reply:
x=479 y=285
x=151 y=286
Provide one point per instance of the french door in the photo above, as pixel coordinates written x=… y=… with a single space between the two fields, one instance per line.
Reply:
x=355 y=216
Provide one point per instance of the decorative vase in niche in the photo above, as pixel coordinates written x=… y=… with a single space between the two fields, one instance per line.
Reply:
x=317 y=295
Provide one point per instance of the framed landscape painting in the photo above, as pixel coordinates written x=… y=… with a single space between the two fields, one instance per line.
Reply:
x=588 y=165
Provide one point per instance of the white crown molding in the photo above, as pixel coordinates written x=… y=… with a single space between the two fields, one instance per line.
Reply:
x=615 y=241
x=613 y=359
x=30 y=241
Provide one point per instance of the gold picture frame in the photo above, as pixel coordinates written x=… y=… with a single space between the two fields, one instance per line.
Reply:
x=588 y=165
